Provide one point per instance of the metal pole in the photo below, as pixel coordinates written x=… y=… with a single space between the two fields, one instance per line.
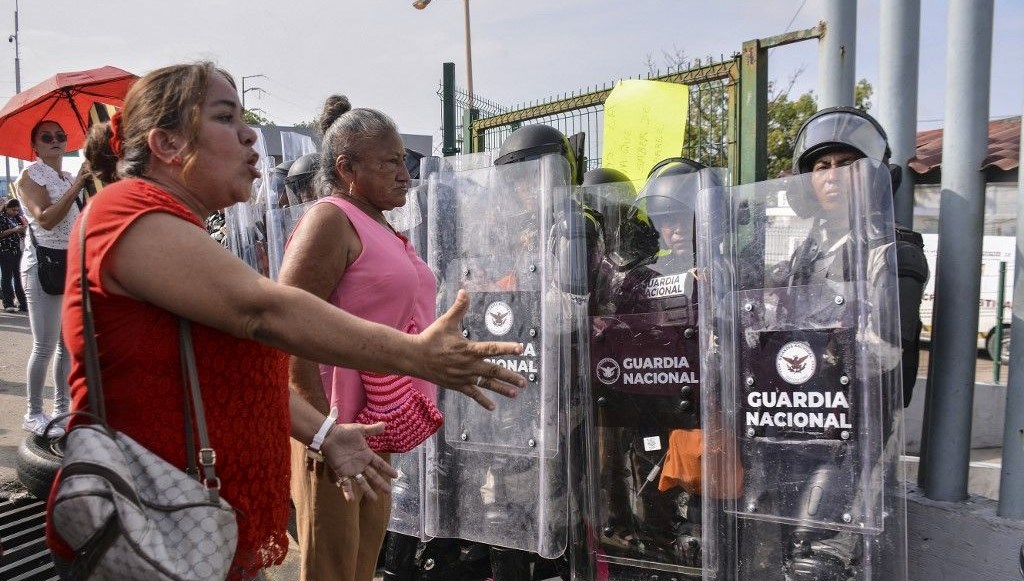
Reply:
x=469 y=57
x=244 y=90
x=944 y=462
x=837 y=52
x=448 y=110
x=897 y=92
x=997 y=360
x=17 y=64
x=1011 y=482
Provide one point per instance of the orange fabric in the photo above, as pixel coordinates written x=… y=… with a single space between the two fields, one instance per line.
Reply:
x=682 y=461
x=686 y=449
x=244 y=384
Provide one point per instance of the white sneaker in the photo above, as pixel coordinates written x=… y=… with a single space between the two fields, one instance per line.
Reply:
x=36 y=423
x=11 y=309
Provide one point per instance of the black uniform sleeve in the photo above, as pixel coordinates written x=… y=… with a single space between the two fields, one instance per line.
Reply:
x=912 y=269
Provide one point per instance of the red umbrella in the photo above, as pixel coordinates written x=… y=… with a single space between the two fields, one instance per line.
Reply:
x=64 y=98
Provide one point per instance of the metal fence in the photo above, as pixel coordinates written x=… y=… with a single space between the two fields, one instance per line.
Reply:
x=727 y=120
x=708 y=139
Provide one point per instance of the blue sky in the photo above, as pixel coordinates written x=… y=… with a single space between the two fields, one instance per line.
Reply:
x=388 y=55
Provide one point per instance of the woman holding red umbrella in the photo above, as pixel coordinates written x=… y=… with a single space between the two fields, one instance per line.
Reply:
x=49 y=196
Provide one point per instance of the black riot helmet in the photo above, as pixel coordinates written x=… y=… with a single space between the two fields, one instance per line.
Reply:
x=669 y=199
x=282 y=168
x=638 y=239
x=532 y=141
x=662 y=194
x=838 y=128
x=609 y=193
x=605 y=175
x=300 y=177
x=277 y=179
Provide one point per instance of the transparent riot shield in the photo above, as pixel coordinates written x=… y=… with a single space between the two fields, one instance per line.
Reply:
x=295 y=145
x=408 y=489
x=643 y=476
x=245 y=222
x=497 y=231
x=801 y=396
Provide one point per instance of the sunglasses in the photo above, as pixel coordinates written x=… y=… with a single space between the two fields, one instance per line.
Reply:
x=48 y=138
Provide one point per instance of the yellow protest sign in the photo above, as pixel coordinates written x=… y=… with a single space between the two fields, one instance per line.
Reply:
x=644 y=122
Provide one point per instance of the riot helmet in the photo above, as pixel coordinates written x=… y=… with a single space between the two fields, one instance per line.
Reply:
x=299 y=182
x=282 y=168
x=533 y=141
x=608 y=192
x=666 y=206
x=277 y=178
x=605 y=175
x=832 y=130
x=839 y=128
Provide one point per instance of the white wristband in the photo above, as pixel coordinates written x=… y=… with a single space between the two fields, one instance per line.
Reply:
x=318 y=439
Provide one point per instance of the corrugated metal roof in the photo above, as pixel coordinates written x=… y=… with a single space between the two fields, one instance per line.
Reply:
x=1003 y=147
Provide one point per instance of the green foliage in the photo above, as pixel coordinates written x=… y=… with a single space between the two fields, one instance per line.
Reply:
x=252 y=117
x=312 y=125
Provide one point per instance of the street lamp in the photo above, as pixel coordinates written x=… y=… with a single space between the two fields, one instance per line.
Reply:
x=420 y=5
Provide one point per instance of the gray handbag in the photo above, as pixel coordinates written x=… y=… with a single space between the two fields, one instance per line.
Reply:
x=129 y=514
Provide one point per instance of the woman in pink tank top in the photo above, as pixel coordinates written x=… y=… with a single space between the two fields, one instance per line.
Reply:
x=344 y=251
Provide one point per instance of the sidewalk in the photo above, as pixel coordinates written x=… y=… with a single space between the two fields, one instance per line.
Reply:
x=15 y=345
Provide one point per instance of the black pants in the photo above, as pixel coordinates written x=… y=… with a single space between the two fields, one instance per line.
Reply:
x=10 y=280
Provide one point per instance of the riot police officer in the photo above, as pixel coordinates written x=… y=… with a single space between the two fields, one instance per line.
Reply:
x=644 y=350
x=809 y=359
x=576 y=230
x=504 y=227
x=832 y=138
x=278 y=178
x=299 y=183
x=835 y=137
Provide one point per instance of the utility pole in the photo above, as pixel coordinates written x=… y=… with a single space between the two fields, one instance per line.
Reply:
x=244 y=90
x=17 y=84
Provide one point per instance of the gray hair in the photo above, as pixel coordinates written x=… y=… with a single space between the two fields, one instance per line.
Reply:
x=346 y=131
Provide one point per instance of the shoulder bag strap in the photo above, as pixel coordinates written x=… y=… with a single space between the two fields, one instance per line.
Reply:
x=94 y=381
x=206 y=457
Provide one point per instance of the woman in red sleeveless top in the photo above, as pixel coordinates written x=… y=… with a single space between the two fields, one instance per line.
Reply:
x=182 y=152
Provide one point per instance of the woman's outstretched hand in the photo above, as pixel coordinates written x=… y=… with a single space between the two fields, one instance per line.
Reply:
x=354 y=463
x=453 y=362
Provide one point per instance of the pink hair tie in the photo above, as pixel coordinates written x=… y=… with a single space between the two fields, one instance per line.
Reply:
x=115 y=135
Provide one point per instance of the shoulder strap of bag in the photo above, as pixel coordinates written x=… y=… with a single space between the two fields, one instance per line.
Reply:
x=32 y=235
x=206 y=456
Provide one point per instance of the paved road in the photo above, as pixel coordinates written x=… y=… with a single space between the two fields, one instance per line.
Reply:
x=15 y=345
